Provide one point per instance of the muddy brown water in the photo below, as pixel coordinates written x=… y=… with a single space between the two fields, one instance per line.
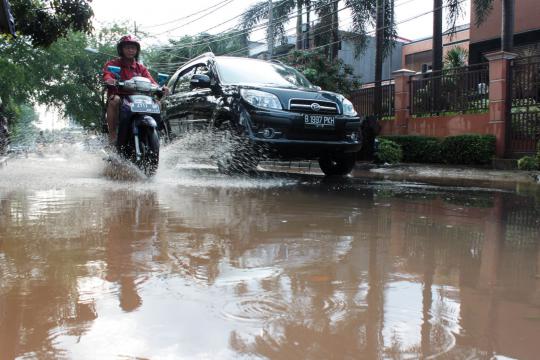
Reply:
x=194 y=265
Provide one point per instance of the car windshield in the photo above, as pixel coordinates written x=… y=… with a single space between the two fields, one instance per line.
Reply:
x=256 y=72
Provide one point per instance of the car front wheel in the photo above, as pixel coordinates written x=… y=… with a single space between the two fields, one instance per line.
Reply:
x=337 y=165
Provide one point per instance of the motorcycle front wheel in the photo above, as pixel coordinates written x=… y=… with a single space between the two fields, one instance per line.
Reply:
x=150 y=152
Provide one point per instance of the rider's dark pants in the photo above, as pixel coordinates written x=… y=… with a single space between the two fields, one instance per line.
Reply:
x=124 y=126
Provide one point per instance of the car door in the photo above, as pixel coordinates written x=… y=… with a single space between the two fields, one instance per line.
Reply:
x=190 y=108
x=203 y=100
x=175 y=106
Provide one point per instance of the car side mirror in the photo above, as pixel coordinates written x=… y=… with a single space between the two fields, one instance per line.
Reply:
x=200 y=81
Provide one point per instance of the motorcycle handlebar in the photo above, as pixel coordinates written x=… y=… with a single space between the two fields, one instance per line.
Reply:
x=159 y=90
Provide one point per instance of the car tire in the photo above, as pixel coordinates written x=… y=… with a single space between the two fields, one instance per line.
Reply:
x=236 y=155
x=337 y=165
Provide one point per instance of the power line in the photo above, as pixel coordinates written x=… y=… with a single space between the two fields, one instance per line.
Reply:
x=195 y=20
x=186 y=17
x=246 y=48
x=375 y=30
x=335 y=42
x=257 y=27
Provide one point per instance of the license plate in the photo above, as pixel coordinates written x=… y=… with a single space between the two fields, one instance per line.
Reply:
x=143 y=107
x=319 y=121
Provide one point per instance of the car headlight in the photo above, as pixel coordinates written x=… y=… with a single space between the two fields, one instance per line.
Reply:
x=348 y=107
x=261 y=99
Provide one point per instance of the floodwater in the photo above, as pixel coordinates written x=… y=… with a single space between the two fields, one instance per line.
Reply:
x=195 y=265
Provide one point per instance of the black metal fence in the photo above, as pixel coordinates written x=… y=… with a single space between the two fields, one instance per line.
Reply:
x=524 y=130
x=364 y=100
x=458 y=90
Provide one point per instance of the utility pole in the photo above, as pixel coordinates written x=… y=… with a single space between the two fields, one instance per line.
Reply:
x=437 y=63
x=437 y=35
x=508 y=21
x=379 y=57
x=270 y=29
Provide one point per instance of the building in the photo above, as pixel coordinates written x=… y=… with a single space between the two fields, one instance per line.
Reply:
x=486 y=38
x=363 y=65
x=417 y=55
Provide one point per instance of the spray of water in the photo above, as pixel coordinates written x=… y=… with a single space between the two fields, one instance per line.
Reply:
x=64 y=160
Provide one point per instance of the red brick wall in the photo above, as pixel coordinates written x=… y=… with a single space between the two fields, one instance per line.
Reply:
x=442 y=126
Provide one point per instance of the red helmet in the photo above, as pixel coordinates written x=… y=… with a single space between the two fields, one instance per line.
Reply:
x=128 y=39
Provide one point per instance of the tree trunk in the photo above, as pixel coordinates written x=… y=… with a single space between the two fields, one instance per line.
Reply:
x=307 y=44
x=379 y=58
x=299 y=33
x=271 y=34
x=508 y=16
x=335 y=30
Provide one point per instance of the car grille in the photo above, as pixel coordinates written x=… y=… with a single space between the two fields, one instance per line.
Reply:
x=314 y=135
x=307 y=106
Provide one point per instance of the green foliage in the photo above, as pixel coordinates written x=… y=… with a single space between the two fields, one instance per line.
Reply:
x=169 y=58
x=23 y=132
x=528 y=163
x=456 y=57
x=462 y=149
x=329 y=75
x=388 y=152
x=419 y=149
x=45 y=21
x=62 y=75
x=468 y=149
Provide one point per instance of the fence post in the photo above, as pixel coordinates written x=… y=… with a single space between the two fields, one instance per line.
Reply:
x=500 y=97
x=402 y=100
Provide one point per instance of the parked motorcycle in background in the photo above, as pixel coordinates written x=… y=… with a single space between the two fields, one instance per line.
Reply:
x=140 y=121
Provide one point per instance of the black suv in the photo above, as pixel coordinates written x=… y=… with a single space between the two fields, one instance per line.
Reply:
x=271 y=110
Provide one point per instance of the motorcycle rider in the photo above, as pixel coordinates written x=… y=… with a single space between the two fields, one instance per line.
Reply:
x=128 y=49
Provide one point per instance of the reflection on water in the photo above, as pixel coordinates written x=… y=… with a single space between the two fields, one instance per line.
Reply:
x=283 y=269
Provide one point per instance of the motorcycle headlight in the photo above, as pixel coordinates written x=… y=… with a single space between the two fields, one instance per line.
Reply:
x=261 y=99
x=348 y=107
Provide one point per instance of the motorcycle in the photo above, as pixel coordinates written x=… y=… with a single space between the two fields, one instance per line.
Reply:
x=138 y=133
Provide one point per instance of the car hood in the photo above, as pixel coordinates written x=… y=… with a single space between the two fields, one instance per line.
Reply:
x=285 y=94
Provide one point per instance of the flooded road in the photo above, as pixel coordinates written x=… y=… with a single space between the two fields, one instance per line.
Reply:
x=195 y=265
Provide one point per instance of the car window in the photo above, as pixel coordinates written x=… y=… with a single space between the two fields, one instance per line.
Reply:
x=182 y=84
x=202 y=69
x=257 y=72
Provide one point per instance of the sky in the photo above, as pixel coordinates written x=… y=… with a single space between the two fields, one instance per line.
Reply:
x=149 y=14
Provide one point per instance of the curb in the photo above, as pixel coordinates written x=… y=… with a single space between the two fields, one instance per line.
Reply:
x=447 y=175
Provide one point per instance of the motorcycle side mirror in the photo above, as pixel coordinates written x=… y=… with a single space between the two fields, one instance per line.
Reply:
x=115 y=70
x=200 y=81
x=162 y=78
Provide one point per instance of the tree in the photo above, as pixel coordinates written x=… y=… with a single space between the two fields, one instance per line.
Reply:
x=385 y=30
x=329 y=75
x=455 y=58
x=280 y=16
x=169 y=58
x=45 y=21
x=62 y=75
